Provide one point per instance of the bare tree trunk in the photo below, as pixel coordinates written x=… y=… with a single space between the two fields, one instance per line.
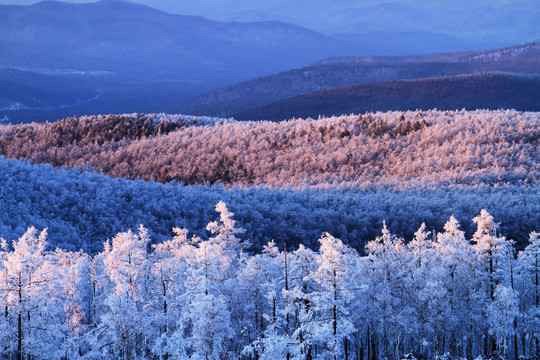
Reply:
x=19 y=323
x=287 y=319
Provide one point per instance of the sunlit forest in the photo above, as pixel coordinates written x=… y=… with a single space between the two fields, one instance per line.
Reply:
x=402 y=150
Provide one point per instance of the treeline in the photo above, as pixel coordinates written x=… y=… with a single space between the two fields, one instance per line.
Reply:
x=403 y=150
x=80 y=208
x=441 y=296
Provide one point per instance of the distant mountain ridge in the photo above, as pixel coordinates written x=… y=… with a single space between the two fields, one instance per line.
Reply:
x=495 y=23
x=111 y=34
x=529 y=50
x=139 y=59
x=344 y=71
x=478 y=91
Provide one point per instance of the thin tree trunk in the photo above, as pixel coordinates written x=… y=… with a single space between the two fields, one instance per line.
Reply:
x=287 y=319
x=19 y=323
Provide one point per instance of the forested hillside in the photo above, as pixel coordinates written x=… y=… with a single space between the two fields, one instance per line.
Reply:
x=346 y=71
x=443 y=295
x=417 y=149
x=83 y=209
x=479 y=91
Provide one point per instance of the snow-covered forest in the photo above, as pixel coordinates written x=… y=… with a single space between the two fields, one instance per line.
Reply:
x=440 y=295
x=402 y=150
x=383 y=235
x=82 y=209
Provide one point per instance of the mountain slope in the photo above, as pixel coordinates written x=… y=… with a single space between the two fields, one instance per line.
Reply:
x=480 y=91
x=140 y=58
x=24 y=89
x=344 y=71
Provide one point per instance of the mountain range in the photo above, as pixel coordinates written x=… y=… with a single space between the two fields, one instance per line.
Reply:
x=135 y=58
x=478 y=91
x=242 y=100
x=59 y=59
x=494 y=22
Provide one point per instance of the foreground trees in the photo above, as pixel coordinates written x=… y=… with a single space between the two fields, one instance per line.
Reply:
x=191 y=298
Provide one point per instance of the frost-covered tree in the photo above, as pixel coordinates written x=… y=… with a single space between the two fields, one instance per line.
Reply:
x=332 y=323
x=502 y=313
x=492 y=251
x=170 y=263
x=210 y=329
x=264 y=279
x=494 y=258
x=73 y=284
x=455 y=292
x=385 y=266
x=225 y=232
x=300 y=335
x=195 y=298
x=529 y=270
x=33 y=315
x=126 y=320
x=204 y=309
x=261 y=281
x=206 y=324
x=421 y=266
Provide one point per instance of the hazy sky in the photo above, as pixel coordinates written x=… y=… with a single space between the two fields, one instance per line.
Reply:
x=213 y=7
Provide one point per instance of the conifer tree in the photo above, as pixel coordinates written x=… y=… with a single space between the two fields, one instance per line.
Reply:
x=126 y=319
x=331 y=302
x=33 y=316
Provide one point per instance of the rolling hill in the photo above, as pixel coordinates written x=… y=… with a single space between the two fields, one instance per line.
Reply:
x=370 y=150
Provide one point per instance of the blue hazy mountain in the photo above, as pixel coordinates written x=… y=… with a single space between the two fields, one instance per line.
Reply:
x=499 y=22
x=137 y=57
x=243 y=100
x=128 y=57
